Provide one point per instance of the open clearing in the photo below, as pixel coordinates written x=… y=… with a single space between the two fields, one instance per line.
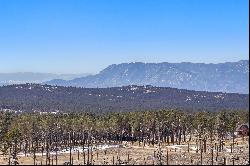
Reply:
x=185 y=154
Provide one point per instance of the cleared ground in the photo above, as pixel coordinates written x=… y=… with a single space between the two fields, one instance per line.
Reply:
x=185 y=154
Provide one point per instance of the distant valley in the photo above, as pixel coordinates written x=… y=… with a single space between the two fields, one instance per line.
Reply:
x=30 y=77
x=231 y=77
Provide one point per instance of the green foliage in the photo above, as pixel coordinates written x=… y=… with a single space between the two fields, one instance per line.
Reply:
x=17 y=127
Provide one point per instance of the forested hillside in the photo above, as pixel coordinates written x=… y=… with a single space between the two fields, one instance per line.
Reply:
x=35 y=97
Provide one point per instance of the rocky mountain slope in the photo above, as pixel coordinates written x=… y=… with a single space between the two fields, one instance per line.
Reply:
x=232 y=77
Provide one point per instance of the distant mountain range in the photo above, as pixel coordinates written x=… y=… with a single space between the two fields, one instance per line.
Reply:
x=29 y=77
x=35 y=97
x=231 y=77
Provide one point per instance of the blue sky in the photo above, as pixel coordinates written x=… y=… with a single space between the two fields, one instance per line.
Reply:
x=85 y=36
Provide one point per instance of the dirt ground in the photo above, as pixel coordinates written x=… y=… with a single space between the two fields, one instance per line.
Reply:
x=185 y=154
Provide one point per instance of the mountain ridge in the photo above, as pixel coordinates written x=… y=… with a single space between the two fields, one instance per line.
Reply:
x=231 y=77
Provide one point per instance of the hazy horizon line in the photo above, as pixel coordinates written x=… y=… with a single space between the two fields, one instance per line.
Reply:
x=91 y=73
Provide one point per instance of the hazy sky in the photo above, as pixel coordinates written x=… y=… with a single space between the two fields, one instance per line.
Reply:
x=78 y=36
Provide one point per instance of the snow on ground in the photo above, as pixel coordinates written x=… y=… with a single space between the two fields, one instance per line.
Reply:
x=73 y=150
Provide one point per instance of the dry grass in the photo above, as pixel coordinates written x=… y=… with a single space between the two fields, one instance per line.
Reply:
x=139 y=155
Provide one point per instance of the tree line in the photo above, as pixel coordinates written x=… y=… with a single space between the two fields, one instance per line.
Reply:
x=26 y=131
